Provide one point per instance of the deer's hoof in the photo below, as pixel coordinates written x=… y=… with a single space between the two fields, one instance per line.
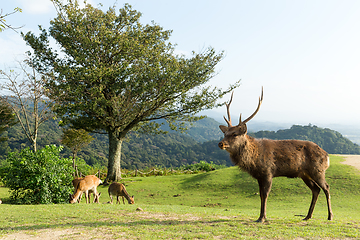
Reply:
x=260 y=220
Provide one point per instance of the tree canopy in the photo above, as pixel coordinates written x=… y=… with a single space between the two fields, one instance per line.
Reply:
x=112 y=74
x=75 y=139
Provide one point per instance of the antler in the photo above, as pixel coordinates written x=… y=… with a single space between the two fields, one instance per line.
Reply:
x=228 y=111
x=257 y=109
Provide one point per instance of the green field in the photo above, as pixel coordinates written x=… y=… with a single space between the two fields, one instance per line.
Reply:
x=221 y=204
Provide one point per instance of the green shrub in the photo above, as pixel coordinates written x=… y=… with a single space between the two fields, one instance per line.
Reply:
x=82 y=166
x=38 y=177
x=202 y=166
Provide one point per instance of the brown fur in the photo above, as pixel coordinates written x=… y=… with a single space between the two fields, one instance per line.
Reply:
x=265 y=159
x=119 y=190
x=75 y=182
x=86 y=185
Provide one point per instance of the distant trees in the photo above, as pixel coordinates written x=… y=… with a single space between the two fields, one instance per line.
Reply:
x=7 y=119
x=115 y=75
x=75 y=139
x=331 y=141
x=169 y=150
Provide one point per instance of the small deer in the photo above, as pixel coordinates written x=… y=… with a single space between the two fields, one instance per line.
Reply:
x=118 y=190
x=265 y=159
x=86 y=185
x=75 y=182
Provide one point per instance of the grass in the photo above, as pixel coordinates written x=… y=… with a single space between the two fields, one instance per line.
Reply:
x=219 y=204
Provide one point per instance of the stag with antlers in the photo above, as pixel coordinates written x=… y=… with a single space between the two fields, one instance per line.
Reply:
x=265 y=159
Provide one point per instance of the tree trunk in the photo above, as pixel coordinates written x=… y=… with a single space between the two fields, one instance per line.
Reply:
x=34 y=144
x=74 y=165
x=114 y=170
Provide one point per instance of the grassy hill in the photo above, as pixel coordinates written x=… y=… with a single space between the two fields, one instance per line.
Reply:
x=218 y=204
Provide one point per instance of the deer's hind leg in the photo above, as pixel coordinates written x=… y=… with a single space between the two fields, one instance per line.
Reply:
x=315 y=194
x=321 y=182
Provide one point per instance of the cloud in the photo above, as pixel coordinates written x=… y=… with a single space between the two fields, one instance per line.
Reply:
x=43 y=6
x=15 y=48
x=36 y=6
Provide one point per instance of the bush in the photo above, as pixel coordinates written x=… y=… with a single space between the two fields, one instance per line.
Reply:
x=39 y=177
x=82 y=166
x=202 y=166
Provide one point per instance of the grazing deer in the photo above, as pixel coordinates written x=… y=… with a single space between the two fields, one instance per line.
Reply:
x=118 y=190
x=86 y=185
x=265 y=159
x=75 y=182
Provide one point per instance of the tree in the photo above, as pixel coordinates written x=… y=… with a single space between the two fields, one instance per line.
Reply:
x=116 y=75
x=25 y=95
x=3 y=24
x=75 y=139
x=7 y=119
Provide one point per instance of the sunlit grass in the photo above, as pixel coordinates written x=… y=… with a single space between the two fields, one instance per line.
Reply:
x=221 y=204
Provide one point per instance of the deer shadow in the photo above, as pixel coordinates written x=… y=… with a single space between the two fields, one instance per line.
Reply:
x=140 y=222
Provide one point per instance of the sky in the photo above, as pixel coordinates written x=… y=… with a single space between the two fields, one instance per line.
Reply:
x=304 y=53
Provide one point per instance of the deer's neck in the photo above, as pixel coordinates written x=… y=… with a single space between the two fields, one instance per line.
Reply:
x=77 y=194
x=126 y=195
x=246 y=154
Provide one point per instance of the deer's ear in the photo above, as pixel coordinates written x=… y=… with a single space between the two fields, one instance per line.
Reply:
x=223 y=128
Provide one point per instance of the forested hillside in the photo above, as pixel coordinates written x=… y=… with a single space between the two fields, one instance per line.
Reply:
x=175 y=149
x=331 y=141
x=139 y=151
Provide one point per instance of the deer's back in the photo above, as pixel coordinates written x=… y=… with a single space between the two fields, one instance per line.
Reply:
x=116 y=189
x=76 y=181
x=290 y=158
x=89 y=182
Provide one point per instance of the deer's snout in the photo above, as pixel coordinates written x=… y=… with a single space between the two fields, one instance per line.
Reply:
x=221 y=145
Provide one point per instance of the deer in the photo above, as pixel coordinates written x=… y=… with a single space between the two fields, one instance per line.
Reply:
x=75 y=182
x=119 y=190
x=86 y=185
x=265 y=159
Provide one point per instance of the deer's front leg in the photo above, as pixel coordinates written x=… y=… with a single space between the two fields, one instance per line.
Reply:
x=79 y=198
x=264 y=187
x=87 y=198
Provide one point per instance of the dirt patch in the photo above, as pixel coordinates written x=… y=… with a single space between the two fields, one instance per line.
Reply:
x=51 y=234
x=43 y=234
x=352 y=160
